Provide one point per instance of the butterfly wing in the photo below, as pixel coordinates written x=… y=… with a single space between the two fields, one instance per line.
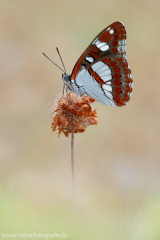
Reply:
x=103 y=70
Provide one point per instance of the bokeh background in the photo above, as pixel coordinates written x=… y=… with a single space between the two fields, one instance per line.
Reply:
x=117 y=163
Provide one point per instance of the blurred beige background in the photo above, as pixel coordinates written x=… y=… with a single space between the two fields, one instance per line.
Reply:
x=117 y=163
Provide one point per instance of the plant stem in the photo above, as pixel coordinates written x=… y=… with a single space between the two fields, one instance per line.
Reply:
x=72 y=159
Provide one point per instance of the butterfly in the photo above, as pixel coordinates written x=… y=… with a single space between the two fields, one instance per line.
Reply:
x=102 y=71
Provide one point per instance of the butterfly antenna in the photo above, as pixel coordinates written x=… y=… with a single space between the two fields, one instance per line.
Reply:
x=52 y=61
x=61 y=59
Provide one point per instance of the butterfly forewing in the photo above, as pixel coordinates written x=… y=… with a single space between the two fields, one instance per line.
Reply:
x=103 y=70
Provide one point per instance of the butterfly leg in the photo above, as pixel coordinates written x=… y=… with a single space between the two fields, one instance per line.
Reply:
x=89 y=102
x=63 y=88
x=67 y=96
x=66 y=93
x=62 y=91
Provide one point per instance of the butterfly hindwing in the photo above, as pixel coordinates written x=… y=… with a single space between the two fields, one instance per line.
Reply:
x=103 y=68
x=113 y=75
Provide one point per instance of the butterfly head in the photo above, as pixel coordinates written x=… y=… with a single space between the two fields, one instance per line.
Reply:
x=67 y=80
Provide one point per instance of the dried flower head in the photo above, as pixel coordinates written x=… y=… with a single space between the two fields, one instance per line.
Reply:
x=72 y=113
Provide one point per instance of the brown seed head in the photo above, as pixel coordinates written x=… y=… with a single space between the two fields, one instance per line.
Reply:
x=72 y=113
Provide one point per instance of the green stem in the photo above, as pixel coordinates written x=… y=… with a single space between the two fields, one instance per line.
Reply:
x=72 y=159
